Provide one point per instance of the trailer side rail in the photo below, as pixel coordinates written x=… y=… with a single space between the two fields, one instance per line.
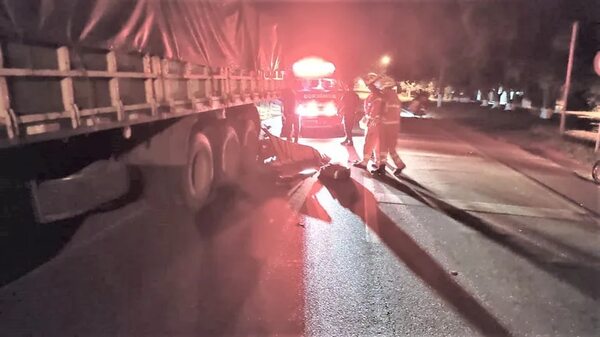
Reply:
x=50 y=93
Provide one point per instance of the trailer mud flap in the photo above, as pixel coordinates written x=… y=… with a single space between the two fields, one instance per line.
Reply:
x=93 y=186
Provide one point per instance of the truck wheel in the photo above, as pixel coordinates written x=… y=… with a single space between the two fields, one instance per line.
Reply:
x=187 y=185
x=248 y=136
x=199 y=173
x=226 y=151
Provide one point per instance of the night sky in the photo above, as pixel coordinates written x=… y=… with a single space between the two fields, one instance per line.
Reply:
x=476 y=42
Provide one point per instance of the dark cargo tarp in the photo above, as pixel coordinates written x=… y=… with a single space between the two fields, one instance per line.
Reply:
x=216 y=33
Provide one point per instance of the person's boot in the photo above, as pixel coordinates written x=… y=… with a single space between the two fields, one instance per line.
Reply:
x=398 y=171
x=360 y=164
x=374 y=163
x=379 y=170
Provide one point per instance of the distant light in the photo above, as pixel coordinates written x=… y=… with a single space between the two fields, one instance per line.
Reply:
x=385 y=60
x=313 y=67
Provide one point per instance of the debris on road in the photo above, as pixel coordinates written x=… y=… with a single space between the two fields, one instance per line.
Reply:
x=291 y=161
x=335 y=172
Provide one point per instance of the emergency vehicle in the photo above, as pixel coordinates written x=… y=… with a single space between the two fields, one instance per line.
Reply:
x=317 y=94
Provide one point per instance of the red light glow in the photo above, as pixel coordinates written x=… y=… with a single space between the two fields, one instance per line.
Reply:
x=315 y=109
x=313 y=67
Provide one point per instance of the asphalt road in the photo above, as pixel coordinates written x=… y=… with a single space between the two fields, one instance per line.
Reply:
x=461 y=245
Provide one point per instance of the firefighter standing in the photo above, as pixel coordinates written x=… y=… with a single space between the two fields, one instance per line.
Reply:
x=350 y=102
x=373 y=105
x=389 y=126
x=289 y=119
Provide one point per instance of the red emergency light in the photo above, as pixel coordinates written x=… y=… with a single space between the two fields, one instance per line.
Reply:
x=313 y=67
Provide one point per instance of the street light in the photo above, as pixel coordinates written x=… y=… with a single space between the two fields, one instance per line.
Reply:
x=385 y=60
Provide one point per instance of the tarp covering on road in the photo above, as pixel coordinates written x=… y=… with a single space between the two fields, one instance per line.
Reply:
x=289 y=153
x=215 y=33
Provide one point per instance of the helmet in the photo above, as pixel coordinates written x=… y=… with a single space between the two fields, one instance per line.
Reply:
x=371 y=78
x=385 y=83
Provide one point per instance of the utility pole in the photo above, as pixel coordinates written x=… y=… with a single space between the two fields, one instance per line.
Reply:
x=567 y=87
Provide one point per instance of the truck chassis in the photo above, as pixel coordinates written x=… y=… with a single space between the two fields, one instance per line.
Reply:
x=189 y=128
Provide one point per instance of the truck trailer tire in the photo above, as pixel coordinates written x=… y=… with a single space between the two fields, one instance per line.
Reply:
x=248 y=136
x=226 y=150
x=188 y=185
x=199 y=173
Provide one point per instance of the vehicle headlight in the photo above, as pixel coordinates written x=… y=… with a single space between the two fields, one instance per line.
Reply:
x=330 y=109
x=307 y=109
x=312 y=108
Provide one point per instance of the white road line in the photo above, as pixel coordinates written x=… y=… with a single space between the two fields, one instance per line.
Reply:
x=508 y=209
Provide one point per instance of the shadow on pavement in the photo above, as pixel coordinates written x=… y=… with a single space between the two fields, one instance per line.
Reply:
x=362 y=202
x=252 y=262
x=584 y=277
x=26 y=245
x=233 y=269
x=229 y=271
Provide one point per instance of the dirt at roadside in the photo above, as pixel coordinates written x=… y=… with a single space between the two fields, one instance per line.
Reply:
x=525 y=129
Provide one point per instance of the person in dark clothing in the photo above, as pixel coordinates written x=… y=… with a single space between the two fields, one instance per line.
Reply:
x=290 y=123
x=349 y=107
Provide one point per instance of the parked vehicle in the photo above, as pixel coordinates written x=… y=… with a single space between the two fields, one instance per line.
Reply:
x=82 y=103
x=420 y=103
x=317 y=103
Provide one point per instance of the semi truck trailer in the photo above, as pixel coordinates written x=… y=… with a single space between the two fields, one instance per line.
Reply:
x=93 y=90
